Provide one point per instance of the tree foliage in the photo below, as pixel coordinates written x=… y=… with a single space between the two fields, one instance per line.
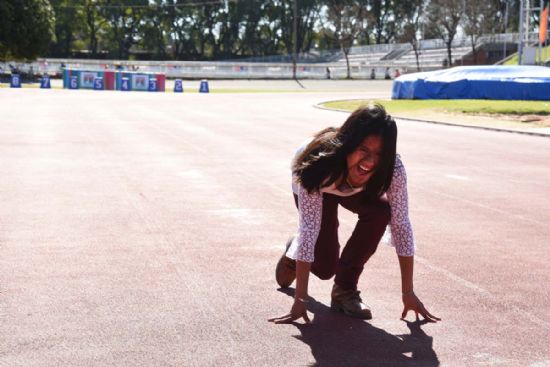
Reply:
x=26 y=29
x=208 y=30
x=443 y=20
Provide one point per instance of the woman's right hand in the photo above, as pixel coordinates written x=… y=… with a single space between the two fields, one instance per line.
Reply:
x=298 y=310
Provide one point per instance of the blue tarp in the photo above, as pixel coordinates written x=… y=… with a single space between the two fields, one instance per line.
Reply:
x=476 y=82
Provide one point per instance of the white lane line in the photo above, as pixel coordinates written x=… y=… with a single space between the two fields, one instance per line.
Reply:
x=458 y=177
x=507 y=213
x=467 y=284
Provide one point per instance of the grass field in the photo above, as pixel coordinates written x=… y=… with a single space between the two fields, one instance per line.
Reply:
x=465 y=106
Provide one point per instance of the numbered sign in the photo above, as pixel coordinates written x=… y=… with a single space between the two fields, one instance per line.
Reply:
x=204 y=86
x=125 y=84
x=178 y=86
x=73 y=82
x=15 y=81
x=98 y=83
x=45 y=82
x=152 y=85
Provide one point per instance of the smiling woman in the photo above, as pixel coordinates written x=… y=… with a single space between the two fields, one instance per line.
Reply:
x=355 y=166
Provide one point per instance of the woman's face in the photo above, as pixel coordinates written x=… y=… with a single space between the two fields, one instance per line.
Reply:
x=363 y=161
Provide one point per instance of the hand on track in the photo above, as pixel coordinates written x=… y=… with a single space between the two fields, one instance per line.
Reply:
x=298 y=310
x=412 y=303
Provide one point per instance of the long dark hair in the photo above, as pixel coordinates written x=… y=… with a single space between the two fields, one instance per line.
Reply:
x=323 y=161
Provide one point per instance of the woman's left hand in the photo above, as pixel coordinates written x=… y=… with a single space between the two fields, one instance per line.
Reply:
x=412 y=303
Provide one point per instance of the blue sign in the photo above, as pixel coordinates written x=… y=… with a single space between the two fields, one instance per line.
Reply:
x=45 y=82
x=124 y=84
x=15 y=81
x=98 y=83
x=204 y=86
x=73 y=82
x=152 y=85
x=178 y=86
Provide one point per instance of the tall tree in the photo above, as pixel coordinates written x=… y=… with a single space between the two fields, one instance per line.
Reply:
x=69 y=23
x=282 y=17
x=412 y=23
x=478 y=19
x=384 y=18
x=26 y=29
x=444 y=17
x=124 y=18
x=95 y=23
x=346 y=21
x=153 y=31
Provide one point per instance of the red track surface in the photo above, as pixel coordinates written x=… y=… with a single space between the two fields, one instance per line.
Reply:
x=143 y=229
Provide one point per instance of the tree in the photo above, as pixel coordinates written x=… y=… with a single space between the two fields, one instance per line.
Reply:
x=478 y=19
x=346 y=20
x=95 y=23
x=154 y=29
x=69 y=23
x=443 y=20
x=124 y=19
x=412 y=21
x=281 y=17
x=27 y=28
x=383 y=15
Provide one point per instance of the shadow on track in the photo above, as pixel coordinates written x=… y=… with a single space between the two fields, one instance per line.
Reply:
x=338 y=340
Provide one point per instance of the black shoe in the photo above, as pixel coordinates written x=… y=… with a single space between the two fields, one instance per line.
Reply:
x=350 y=303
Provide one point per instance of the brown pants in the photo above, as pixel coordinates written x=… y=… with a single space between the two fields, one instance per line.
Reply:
x=373 y=217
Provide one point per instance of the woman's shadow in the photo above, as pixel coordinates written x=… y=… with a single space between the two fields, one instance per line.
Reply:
x=338 y=340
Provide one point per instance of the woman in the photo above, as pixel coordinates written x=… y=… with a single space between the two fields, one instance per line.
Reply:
x=354 y=166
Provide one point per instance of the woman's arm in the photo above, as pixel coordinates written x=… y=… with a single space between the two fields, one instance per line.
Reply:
x=299 y=308
x=410 y=300
x=402 y=239
x=310 y=209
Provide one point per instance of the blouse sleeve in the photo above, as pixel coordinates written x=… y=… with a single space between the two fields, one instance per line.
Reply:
x=400 y=225
x=310 y=208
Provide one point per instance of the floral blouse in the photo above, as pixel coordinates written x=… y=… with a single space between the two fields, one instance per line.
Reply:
x=311 y=209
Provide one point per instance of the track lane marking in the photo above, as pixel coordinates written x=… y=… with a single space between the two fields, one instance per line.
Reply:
x=479 y=205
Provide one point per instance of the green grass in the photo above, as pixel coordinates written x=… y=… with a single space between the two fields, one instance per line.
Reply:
x=545 y=56
x=468 y=106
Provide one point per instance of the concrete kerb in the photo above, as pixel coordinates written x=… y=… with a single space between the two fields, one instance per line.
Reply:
x=479 y=127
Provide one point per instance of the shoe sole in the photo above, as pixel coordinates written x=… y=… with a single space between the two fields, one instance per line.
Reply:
x=281 y=263
x=338 y=308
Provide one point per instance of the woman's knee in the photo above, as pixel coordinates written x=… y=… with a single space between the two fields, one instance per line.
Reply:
x=323 y=273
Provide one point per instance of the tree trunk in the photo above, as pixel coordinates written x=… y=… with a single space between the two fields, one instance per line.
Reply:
x=417 y=56
x=93 y=35
x=346 y=52
x=474 y=50
x=449 y=54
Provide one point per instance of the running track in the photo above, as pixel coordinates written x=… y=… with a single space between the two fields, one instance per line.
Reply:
x=143 y=229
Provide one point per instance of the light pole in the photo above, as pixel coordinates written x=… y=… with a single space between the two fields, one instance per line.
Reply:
x=294 y=38
x=505 y=27
x=520 y=44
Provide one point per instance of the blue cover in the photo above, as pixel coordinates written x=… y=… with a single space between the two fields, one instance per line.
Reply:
x=476 y=82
